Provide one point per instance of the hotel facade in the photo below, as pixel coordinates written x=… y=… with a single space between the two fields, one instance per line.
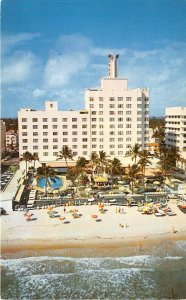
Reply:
x=175 y=131
x=114 y=119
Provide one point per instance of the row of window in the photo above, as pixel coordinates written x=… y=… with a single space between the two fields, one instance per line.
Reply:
x=119 y=99
x=112 y=105
x=54 y=119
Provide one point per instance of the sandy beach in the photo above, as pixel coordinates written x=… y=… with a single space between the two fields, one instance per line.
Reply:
x=130 y=227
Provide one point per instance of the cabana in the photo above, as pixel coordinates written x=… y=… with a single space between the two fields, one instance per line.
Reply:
x=100 y=181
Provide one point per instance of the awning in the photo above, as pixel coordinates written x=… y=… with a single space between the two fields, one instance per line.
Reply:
x=100 y=179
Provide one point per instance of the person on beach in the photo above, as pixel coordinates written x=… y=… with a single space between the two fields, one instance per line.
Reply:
x=64 y=209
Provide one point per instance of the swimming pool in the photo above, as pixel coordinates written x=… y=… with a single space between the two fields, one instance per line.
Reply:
x=57 y=183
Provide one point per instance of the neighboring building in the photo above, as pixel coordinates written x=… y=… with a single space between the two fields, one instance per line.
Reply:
x=115 y=118
x=175 y=131
x=3 y=138
x=154 y=143
x=11 y=140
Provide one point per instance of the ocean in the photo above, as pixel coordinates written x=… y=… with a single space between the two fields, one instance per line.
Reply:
x=157 y=272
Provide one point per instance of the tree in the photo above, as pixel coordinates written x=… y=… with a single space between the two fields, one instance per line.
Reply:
x=65 y=153
x=79 y=171
x=134 y=152
x=48 y=174
x=102 y=161
x=27 y=157
x=34 y=158
x=144 y=161
x=168 y=159
x=132 y=174
x=93 y=162
x=116 y=166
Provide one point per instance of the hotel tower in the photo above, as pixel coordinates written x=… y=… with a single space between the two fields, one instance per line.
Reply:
x=114 y=119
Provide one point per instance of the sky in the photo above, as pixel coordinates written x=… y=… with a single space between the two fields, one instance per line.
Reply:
x=56 y=49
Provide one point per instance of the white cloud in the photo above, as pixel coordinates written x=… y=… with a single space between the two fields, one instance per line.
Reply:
x=60 y=68
x=19 y=68
x=9 y=41
x=38 y=93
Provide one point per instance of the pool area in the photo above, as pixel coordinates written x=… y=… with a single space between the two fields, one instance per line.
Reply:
x=55 y=182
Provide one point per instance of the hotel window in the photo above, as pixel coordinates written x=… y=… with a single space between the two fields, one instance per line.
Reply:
x=55 y=153
x=128 y=139
x=128 y=98
x=128 y=119
x=111 y=99
x=84 y=126
x=54 y=119
x=91 y=99
x=91 y=105
x=128 y=106
x=138 y=125
x=120 y=98
x=94 y=139
x=139 y=106
x=84 y=119
x=120 y=146
x=35 y=140
x=139 y=139
x=120 y=105
x=120 y=112
x=94 y=146
x=94 y=126
x=55 y=146
x=111 y=105
x=84 y=146
x=45 y=153
x=120 y=119
x=112 y=153
x=100 y=112
x=84 y=132
x=45 y=126
x=111 y=119
x=35 y=126
x=54 y=126
x=101 y=133
x=51 y=104
x=24 y=133
x=45 y=140
x=45 y=147
x=25 y=147
x=93 y=112
x=55 y=133
x=65 y=133
x=93 y=119
x=55 y=140
x=112 y=126
x=112 y=146
x=139 y=119
x=138 y=132
x=100 y=98
x=74 y=146
x=100 y=119
x=112 y=139
x=74 y=140
x=45 y=120
x=35 y=133
x=139 y=112
x=84 y=140
x=120 y=125
x=74 y=126
x=24 y=126
x=112 y=132
x=101 y=126
x=64 y=119
x=74 y=132
x=120 y=132
x=74 y=119
x=139 y=99
x=35 y=147
x=101 y=146
x=64 y=126
x=65 y=140
x=34 y=120
x=74 y=153
x=111 y=112
x=120 y=139
x=120 y=152
x=93 y=132
x=128 y=126
x=128 y=112
x=24 y=119
x=100 y=105
x=101 y=140
x=128 y=146
x=84 y=152
x=24 y=140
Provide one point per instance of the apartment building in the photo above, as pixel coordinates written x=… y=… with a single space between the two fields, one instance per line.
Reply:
x=175 y=131
x=11 y=140
x=3 y=138
x=114 y=119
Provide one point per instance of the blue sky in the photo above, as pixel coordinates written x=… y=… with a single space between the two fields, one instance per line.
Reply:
x=56 y=49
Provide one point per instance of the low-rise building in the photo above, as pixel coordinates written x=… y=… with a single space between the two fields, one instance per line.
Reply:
x=11 y=140
x=3 y=138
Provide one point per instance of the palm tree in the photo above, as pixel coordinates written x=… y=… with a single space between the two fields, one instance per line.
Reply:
x=134 y=152
x=27 y=157
x=48 y=174
x=132 y=173
x=102 y=161
x=115 y=166
x=93 y=162
x=144 y=161
x=65 y=153
x=34 y=158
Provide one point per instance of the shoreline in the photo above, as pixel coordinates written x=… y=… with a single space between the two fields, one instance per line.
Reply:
x=135 y=242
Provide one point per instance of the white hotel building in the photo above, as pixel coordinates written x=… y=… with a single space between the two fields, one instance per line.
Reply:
x=115 y=118
x=175 y=131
